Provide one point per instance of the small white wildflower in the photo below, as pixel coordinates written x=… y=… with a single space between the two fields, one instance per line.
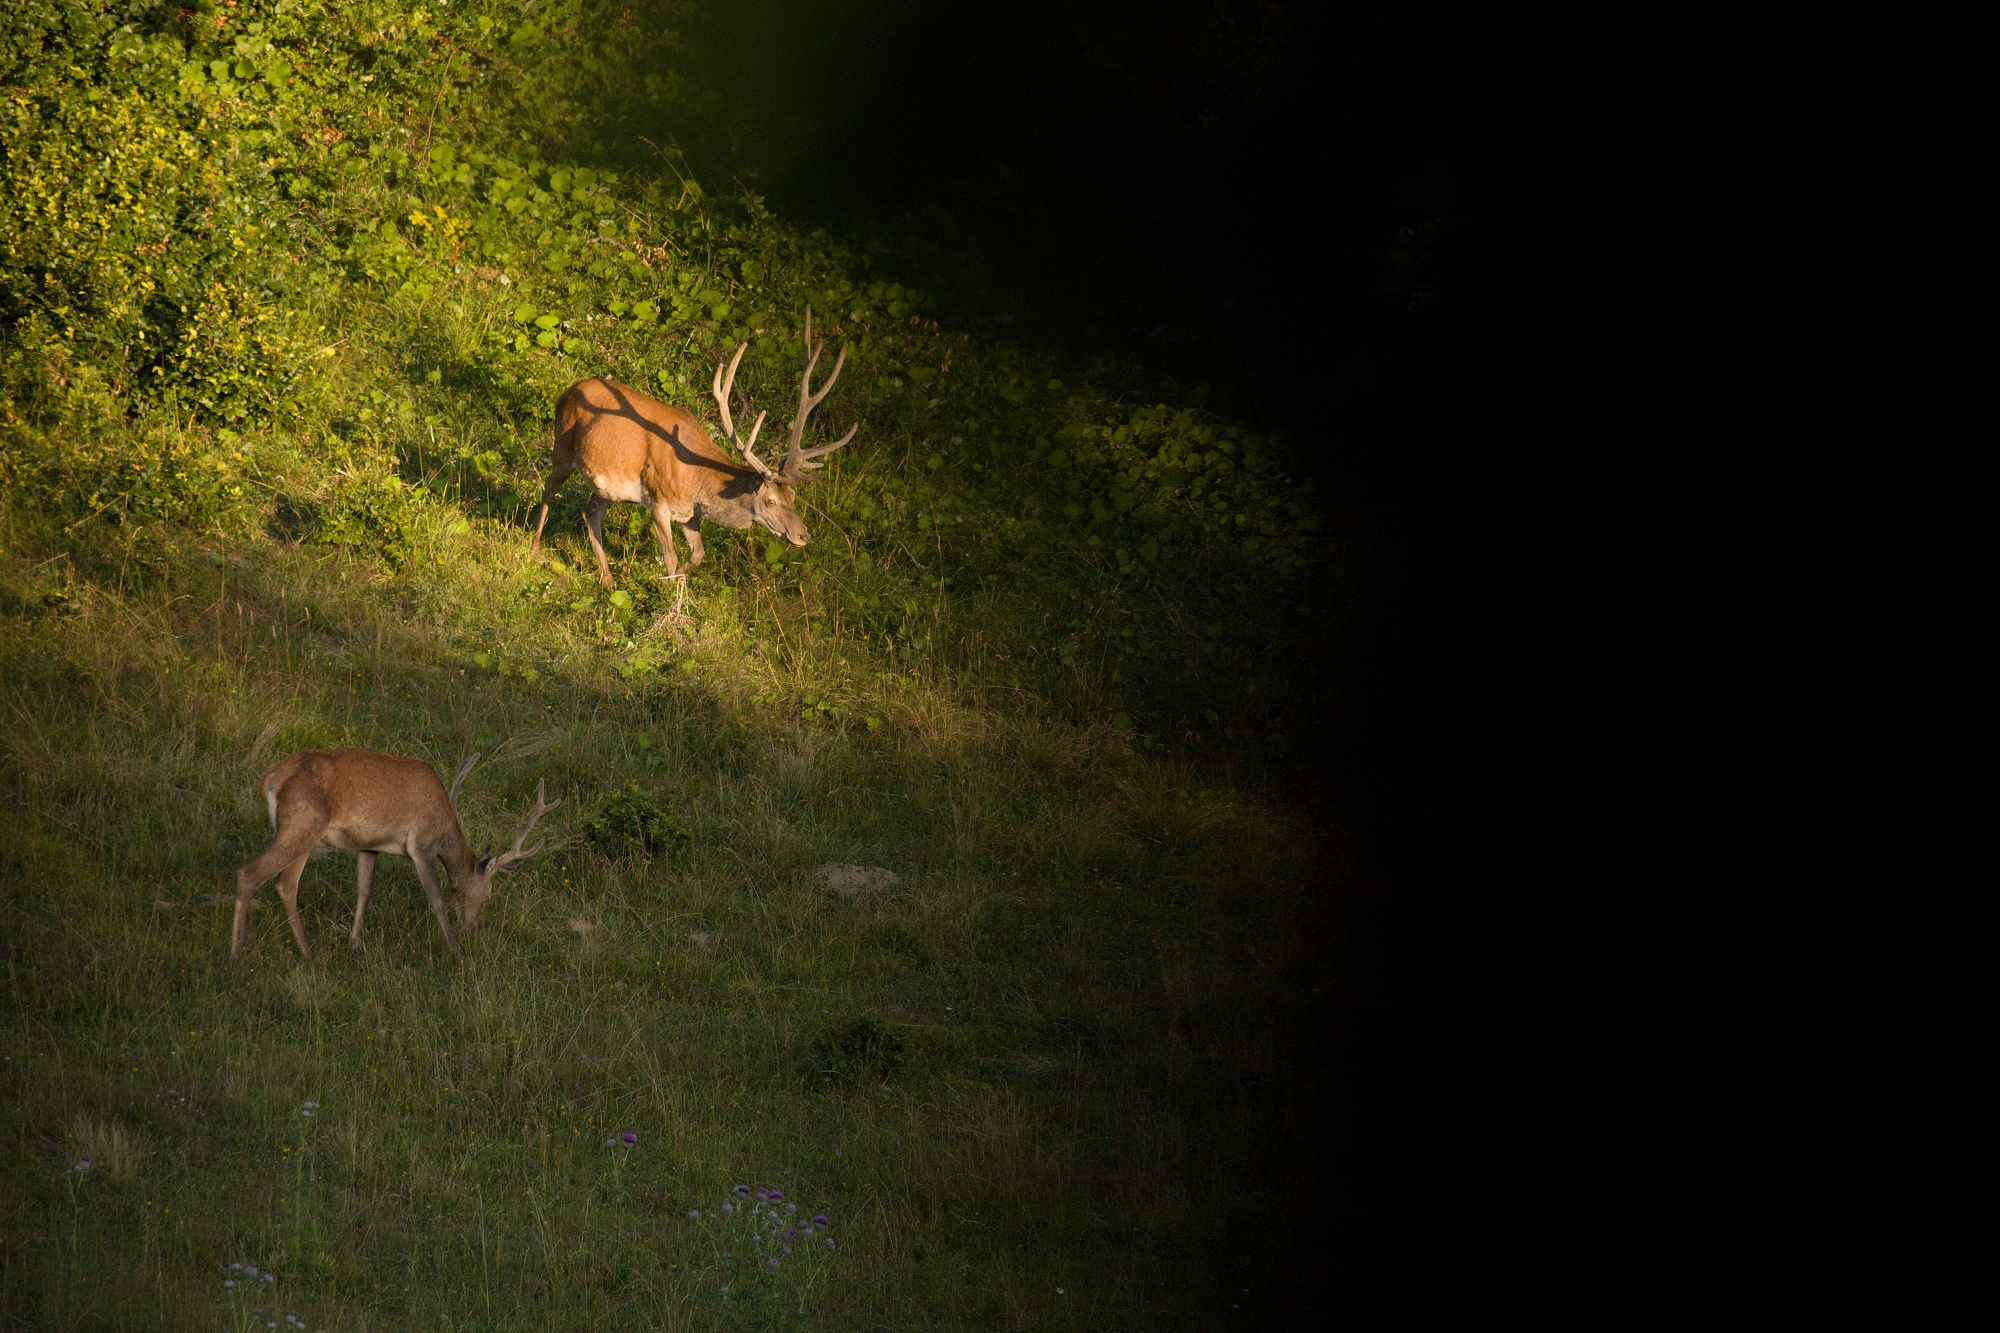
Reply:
x=270 y=1277
x=695 y=1215
x=229 y=1282
x=251 y=1269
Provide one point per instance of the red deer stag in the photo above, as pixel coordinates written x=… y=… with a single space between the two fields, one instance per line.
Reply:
x=368 y=803
x=655 y=454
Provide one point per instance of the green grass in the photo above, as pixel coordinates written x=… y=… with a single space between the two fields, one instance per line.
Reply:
x=1078 y=936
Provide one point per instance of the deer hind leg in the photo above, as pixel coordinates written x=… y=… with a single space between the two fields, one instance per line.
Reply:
x=663 y=528
x=287 y=854
x=564 y=466
x=288 y=889
x=593 y=524
x=427 y=872
x=365 y=881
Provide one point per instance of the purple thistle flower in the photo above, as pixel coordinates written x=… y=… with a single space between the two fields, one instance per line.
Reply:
x=629 y=1138
x=820 y=1220
x=772 y=1263
x=742 y=1191
x=763 y=1193
x=777 y=1196
x=791 y=1232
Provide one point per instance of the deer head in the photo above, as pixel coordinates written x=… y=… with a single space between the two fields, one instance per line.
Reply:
x=775 y=505
x=478 y=885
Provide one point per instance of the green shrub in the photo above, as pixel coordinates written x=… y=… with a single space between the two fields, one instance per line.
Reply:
x=374 y=511
x=633 y=822
x=860 y=1050
x=141 y=249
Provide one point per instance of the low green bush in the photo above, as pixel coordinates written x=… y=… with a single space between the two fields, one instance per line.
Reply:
x=858 y=1051
x=632 y=822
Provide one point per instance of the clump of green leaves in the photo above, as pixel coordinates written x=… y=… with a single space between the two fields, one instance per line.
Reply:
x=861 y=1050
x=375 y=512
x=633 y=822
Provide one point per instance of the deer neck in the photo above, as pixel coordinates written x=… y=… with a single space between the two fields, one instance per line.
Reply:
x=733 y=505
x=456 y=853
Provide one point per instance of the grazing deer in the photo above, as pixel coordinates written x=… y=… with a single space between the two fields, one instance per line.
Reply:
x=651 y=453
x=368 y=803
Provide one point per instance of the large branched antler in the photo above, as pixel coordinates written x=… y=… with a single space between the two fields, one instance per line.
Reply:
x=542 y=807
x=722 y=387
x=799 y=462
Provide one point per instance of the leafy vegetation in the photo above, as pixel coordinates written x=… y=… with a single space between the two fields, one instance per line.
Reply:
x=857 y=1051
x=632 y=823
x=287 y=292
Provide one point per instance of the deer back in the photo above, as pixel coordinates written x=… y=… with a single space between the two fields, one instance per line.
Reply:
x=367 y=800
x=633 y=448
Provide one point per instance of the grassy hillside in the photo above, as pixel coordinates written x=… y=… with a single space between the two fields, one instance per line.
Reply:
x=286 y=295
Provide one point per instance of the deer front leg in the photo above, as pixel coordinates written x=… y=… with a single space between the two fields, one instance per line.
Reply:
x=593 y=525
x=427 y=872
x=555 y=483
x=663 y=528
x=366 y=881
x=692 y=531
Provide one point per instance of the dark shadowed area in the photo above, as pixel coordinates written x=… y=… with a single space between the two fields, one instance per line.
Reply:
x=1346 y=223
x=1253 y=202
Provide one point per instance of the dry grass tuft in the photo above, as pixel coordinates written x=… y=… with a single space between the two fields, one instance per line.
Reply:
x=115 y=1152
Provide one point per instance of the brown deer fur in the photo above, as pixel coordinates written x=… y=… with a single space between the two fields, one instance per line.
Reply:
x=635 y=448
x=369 y=803
x=631 y=447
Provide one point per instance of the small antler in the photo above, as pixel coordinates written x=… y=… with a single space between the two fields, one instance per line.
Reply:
x=458 y=778
x=722 y=387
x=542 y=807
x=798 y=460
